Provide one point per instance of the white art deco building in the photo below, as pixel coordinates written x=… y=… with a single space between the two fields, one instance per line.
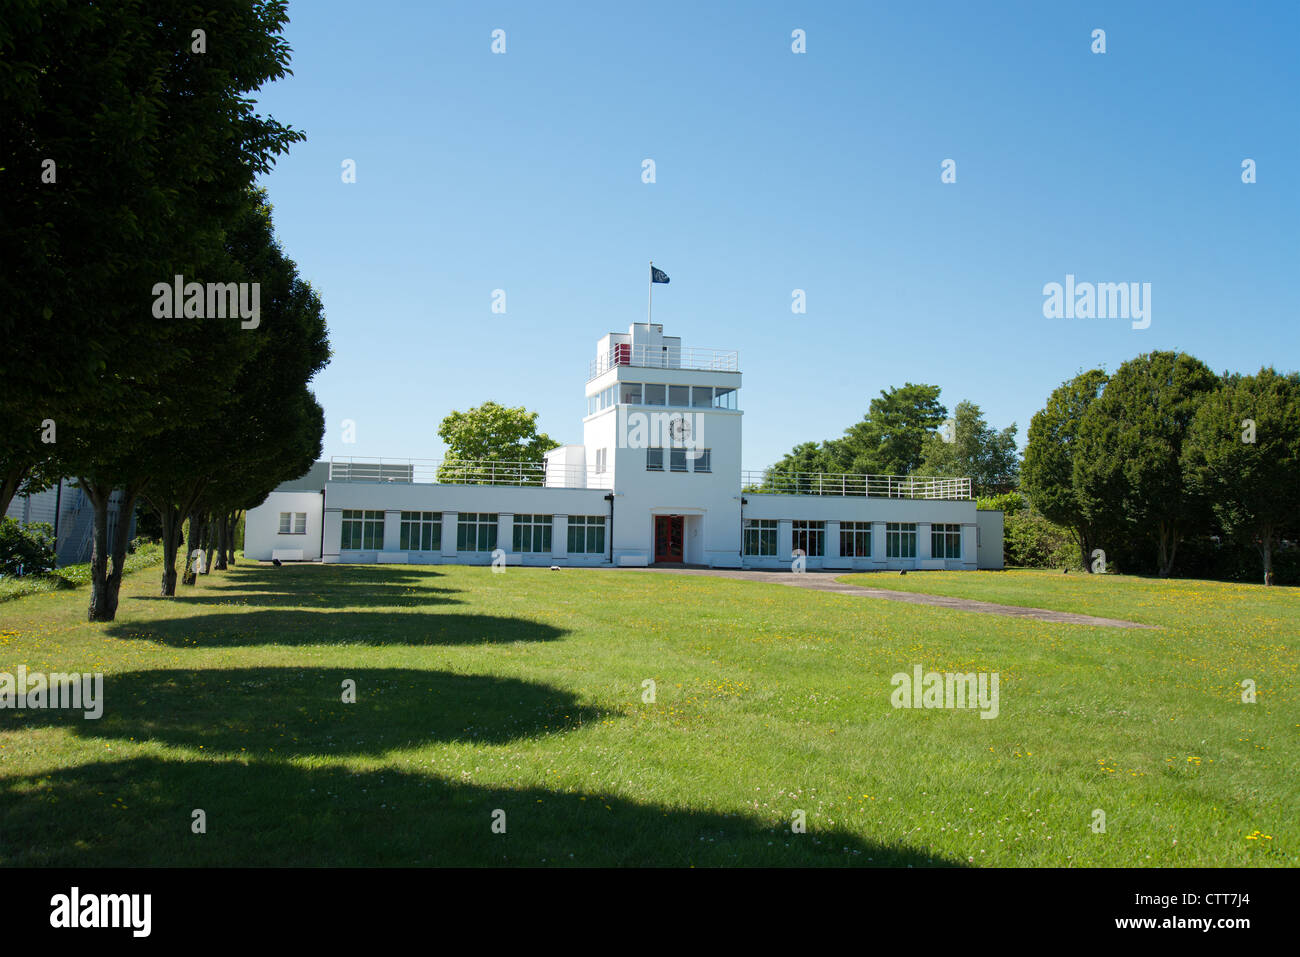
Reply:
x=657 y=479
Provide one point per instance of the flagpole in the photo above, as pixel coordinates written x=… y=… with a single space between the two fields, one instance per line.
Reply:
x=650 y=293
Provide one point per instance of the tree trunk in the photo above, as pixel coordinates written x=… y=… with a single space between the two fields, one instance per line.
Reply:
x=1266 y=552
x=1085 y=549
x=209 y=537
x=105 y=585
x=171 y=514
x=231 y=521
x=99 y=601
x=191 y=546
x=170 y=517
x=220 y=559
x=1168 y=548
x=9 y=483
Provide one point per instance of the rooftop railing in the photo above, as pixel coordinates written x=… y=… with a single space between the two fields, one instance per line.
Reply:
x=770 y=482
x=466 y=472
x=663 y=357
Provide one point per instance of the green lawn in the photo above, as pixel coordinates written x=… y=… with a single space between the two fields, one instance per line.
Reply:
x=523 y=692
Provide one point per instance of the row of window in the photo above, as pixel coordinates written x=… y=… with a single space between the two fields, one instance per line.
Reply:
x=702 y=460
x=651 y=393
x=475 y=532
x=855 y=539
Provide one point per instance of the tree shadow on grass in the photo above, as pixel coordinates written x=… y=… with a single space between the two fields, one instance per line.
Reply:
x=354 y=596
x=299 y=712
x=285 y=627
x=139 y=812
x=331 y=586
x=312 y=572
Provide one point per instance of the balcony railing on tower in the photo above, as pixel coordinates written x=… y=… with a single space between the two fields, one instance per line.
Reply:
x=663 y=357
x=773 y=482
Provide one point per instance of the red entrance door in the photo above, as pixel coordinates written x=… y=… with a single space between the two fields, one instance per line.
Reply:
x=668 y=538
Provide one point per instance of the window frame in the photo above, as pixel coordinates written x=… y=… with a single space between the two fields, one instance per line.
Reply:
x=759 y=529
x=812 y=532
x=532 y=533
x=855 y=533
x=484 y=525
x=896 y=534
x=426 y=526
x=588 y=532
x=362 y=530
x=945 y=534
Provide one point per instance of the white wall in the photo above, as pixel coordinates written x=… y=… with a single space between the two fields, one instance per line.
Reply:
x=262 y=526
x=990 y=538
x=506 y=501
x=833 y=509
x=713 y=498
x=710 y=503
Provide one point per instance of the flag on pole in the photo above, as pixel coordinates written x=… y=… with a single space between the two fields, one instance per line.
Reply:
x=658 y=275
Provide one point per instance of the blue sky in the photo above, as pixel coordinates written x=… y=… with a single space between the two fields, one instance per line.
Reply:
x=779 y=171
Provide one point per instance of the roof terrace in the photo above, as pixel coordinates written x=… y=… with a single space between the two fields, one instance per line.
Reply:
x=771 y=482
x=668 y=356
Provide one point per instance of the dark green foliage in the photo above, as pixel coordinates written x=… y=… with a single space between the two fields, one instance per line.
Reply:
x=1047 y=474
x=493 y=433
x=156 y=144
x=1008 y=503
x=1029 y=540
x=1127 y=468
x=25 y=549
x=887 y=441
x=973 y=449
x=1242 y=455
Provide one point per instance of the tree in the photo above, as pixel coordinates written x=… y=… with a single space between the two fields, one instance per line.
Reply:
x=807 y=458
x=1243 y=454
x=493 y=433
x=1047 y=475
x=153 y=140
x=888 y=441
x=1128 y=468
x=254 y=430
x=986 y=455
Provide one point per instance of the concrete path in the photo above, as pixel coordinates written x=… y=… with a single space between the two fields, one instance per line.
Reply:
x=825 y=581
